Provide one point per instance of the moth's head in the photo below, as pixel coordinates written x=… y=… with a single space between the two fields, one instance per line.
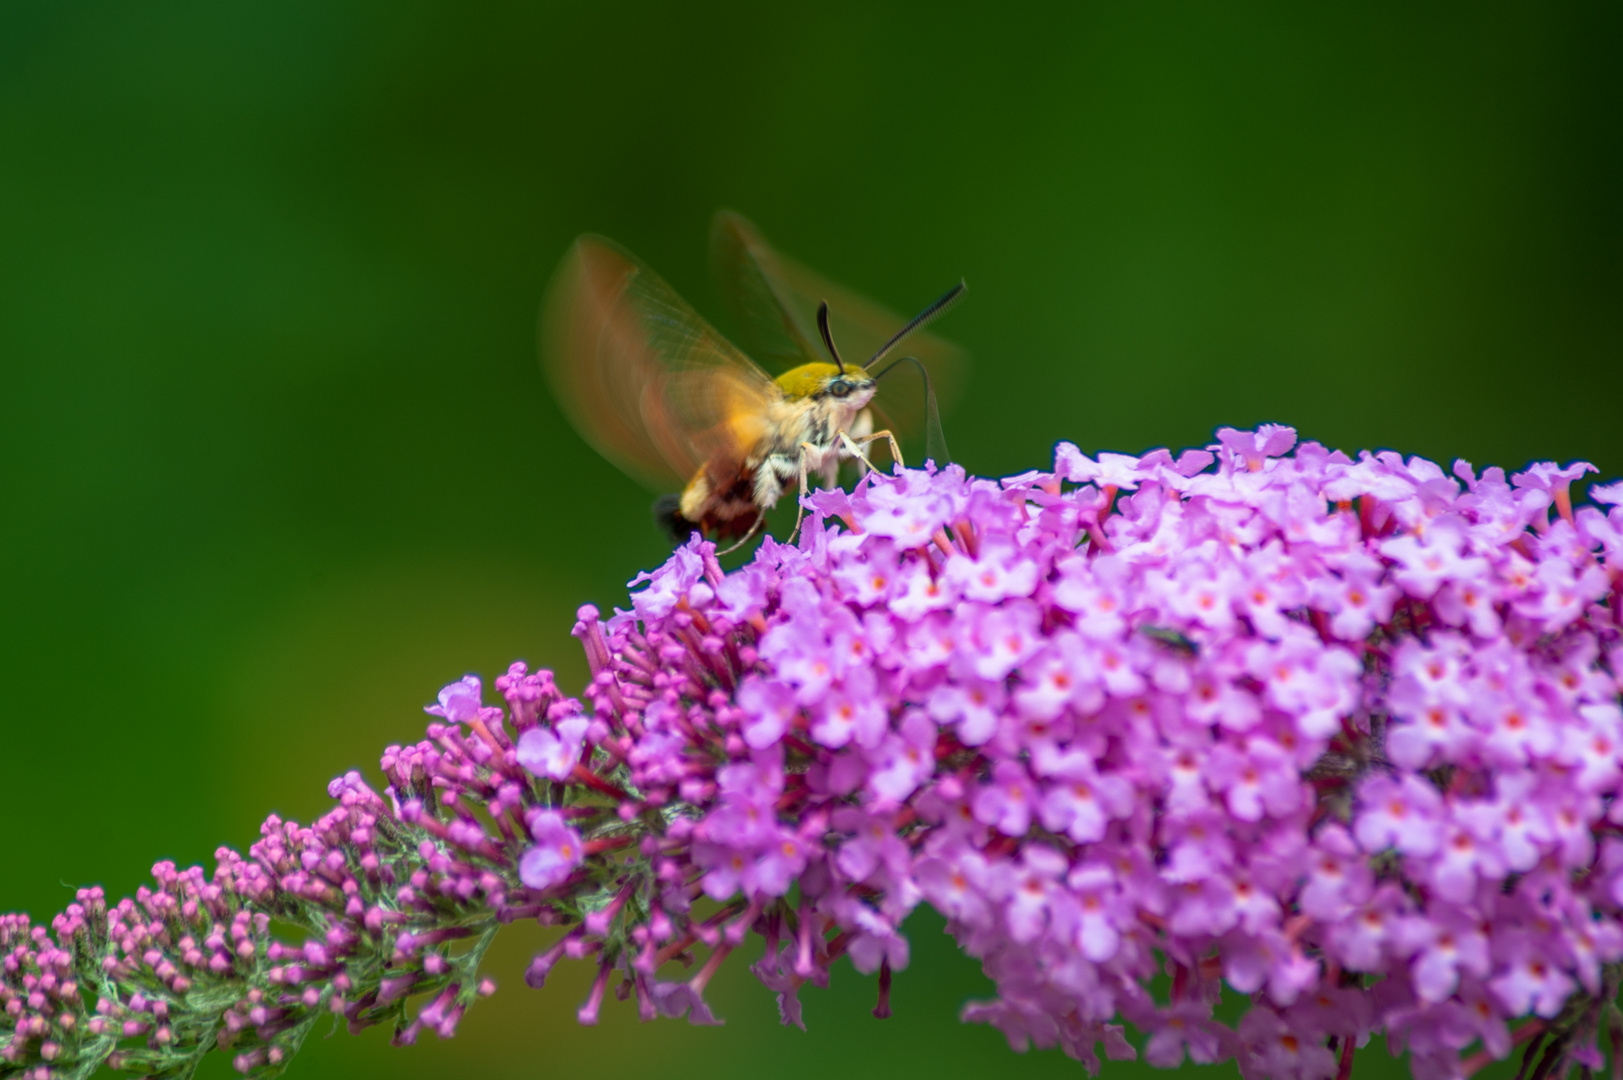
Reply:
x=853 y=385
x=847 y=385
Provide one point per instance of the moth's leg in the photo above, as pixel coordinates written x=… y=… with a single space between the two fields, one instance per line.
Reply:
x=806 y=450
x=759 y=518
x=896 y=452
x=859 y=429
x=852 y=447
x=862 y=434
x=852 y=450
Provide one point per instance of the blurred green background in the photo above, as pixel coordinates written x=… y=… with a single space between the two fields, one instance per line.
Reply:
x=276 y=459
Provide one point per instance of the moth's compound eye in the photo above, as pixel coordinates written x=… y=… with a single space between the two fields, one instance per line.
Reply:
x=840 y=388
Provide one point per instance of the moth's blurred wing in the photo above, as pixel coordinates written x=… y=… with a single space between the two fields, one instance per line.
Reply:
x=747 y=270
x=775 y=300
x=645 y=380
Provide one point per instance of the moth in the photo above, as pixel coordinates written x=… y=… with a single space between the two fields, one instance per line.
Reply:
x=662 y=394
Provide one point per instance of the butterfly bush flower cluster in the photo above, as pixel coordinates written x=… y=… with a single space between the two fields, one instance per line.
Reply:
x=1256 y=752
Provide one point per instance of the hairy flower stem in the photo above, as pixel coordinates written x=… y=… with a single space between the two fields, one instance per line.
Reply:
x=313 y=924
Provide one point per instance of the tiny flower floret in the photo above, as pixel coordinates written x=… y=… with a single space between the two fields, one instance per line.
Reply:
x=558 y=850
x=460 y=701
x=553 y=751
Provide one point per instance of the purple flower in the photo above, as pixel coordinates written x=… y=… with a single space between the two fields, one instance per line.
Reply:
x=780 y=860
x=1100 y=913
x=850 y=711
x=769 y=708
x=553 y=752
x=904 y=761
x=1257 y=777
x=1446 y=944
x=1187 y=1027
x=1001 y=638
x=1357 y=600
x=1255 y=447
x=669 y=585
x=459 y=701
x=1343 y=737
x=1338 y=880
x=1532 y=979
x=557 y=851
x=1119 y=471
x=1400 y=814
x=1006 y=803
x=1078 y=800
x=974 y=705
x=1608 y=494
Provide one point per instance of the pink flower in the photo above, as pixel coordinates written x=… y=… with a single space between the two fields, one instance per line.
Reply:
x=459 y=701
x=1001 y=638
x=1401 y=814
x=1532 y=979
x=1446 y=944
x=1427 y=560
x=768 y=709
x=975 y=706
x=850 y=711
x=904 y=761
x=1255 y=447
x=1078 y=800
x=955 y=882
x=999 y=571
x=1257 y=777
x=1342 y=737
x=557 y=851
x=553 y=752
x=1187 y=1027
x=1006 y=804
x=1119 y=471
x=1357 y=600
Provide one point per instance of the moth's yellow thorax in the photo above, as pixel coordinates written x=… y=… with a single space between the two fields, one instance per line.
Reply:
x=805 y=380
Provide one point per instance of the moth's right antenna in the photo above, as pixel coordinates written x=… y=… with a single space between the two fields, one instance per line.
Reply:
x=923 y=318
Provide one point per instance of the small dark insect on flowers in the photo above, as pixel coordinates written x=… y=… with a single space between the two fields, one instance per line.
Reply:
x=661 y=394
x=1171 y=638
